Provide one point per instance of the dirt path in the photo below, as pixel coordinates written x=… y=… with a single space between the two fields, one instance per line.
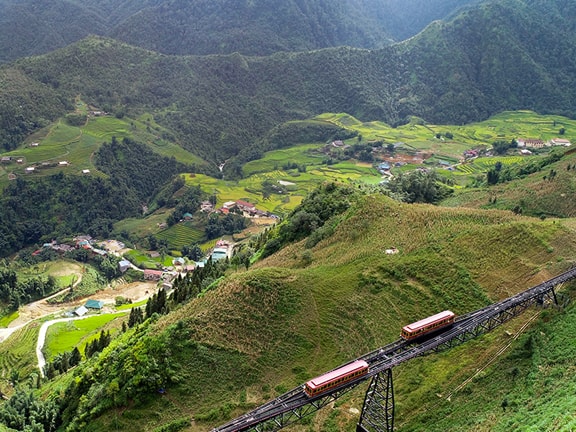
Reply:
x=135 y=291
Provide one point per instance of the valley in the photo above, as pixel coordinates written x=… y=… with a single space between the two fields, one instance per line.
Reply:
x=205 y=204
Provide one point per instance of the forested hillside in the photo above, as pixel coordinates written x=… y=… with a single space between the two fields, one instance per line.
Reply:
x=220 y=106
x=261 y=27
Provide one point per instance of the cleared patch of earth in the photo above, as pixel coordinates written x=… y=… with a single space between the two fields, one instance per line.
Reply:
x=135 y=291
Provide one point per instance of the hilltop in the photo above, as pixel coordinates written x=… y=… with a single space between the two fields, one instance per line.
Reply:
x=201 y=27
x=222 y=107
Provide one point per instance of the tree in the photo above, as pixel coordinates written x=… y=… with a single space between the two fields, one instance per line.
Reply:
x=193 y=252
x=75 y=357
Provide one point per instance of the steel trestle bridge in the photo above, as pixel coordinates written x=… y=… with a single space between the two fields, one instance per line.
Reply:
x=378 y=409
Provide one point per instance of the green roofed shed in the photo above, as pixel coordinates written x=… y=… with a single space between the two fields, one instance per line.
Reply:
x=94 y=304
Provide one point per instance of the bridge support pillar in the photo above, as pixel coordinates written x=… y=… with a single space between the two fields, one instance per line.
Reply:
x=378 y=410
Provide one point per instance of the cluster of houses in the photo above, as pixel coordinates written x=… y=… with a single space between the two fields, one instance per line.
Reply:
x=538 y=143
x=245 y=208
x=33 y=168
x=90 y=305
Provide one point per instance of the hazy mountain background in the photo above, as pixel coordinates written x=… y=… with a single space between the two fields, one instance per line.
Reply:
x=501 y=55
x=253 y=27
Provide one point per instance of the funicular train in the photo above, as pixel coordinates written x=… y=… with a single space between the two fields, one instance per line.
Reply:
x=359 y=368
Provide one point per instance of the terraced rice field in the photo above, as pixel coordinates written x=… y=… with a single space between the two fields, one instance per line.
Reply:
x=481 y=165
x=180 y=235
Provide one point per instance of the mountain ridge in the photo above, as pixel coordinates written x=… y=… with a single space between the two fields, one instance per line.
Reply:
x=222 y=105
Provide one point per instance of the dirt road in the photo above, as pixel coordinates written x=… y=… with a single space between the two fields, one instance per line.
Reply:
x=135 y=291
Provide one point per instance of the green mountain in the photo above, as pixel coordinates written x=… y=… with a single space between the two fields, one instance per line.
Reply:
x=256 y=27
x=500 y=56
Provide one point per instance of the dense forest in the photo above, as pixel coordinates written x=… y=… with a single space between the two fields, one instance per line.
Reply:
x=201 y=27
x=219 y=105
x=36 y=210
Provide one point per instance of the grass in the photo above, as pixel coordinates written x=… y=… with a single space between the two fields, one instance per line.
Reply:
x=18 y=353
x=7 y=319
x=129 y=306
x=287 y=319
x=64 y=336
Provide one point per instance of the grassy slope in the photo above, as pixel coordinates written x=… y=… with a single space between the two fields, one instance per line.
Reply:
x=77 y=145
x=271 y=328
x=535 y=194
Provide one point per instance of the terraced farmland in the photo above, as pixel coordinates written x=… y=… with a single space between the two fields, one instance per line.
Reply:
x=481 y=165
x=180 y=235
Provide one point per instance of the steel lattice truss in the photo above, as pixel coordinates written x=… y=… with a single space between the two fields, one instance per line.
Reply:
x=378 y=410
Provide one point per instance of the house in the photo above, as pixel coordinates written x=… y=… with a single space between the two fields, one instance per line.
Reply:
x=229 y=204
x=29 y=170
x=81 y=311
x=178 y=261
x=34 y=144
x=100 y=252
x=187 y=216
x=63 y=163
x=124 y=265
x=5 y=159
x=206 y=206
x=219 y=253
x=85 y=171
x=534 y=143
x=245 y=206
x=153 y=275
x=85 y=244
x=560 y=142
x=94 y=304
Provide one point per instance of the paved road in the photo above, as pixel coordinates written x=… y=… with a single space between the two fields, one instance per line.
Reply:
x=42 y=339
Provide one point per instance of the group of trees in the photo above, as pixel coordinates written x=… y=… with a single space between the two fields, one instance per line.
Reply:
x=501 y=174
x=219 y=225
x=136 y=167
x=97 y=344
x=187 y=202
x=62 y=362
x=15 y=291
x=420 y=186
x=28 y=413
x=325 y=202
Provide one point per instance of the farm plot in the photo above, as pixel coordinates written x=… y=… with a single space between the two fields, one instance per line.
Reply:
x=482 y=165
x=301 y=155
x=64 y=336
x=180 y=235
x=18 y=352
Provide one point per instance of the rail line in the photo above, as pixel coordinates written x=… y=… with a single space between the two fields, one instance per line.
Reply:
x=295 y=404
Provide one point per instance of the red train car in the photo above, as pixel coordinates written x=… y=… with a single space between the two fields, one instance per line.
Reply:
x=427 y=325
x=336 y=378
